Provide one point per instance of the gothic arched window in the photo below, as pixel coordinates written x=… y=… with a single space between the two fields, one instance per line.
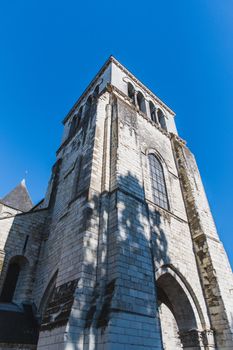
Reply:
x=158 y=186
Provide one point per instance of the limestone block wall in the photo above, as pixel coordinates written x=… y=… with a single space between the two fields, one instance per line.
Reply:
x=102 y=256
x=171 y=237
x=215 y=271
x=71 y=246
x=20 y=237
x=130 y=293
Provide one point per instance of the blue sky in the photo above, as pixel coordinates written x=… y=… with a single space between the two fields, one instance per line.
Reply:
x=182 y=50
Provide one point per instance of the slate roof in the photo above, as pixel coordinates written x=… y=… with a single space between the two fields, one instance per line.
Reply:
x=18 y=198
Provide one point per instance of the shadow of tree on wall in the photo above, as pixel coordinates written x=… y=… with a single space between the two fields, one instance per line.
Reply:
x=132 y=238
x=117 y=277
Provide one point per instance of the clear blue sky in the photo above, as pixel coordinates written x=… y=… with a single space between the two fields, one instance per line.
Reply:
x=181 y=49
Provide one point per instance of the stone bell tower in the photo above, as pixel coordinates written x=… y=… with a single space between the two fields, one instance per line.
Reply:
x=122 y=253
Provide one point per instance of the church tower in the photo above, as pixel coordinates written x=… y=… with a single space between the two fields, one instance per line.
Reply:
x=122 y=253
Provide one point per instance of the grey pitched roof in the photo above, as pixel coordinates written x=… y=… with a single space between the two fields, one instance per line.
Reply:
x=18 y=198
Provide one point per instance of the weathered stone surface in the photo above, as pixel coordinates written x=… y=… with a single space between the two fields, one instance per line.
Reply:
x=103 y=263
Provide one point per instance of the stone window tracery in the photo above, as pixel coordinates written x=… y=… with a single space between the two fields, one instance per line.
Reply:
x=159 y=192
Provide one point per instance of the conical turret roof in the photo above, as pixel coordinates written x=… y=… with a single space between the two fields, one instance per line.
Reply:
x=18 y=198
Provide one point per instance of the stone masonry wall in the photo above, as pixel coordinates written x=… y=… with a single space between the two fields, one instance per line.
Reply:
x=102 y=256
x=215 y=271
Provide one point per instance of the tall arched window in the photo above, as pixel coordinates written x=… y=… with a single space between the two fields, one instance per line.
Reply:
x=88 y=106
x=152 y=112
x=96 y=91
x=161 y=118
x=141 y=102
x=72 y=127
x=159 y=191
x=131 y=92
x=78 y=118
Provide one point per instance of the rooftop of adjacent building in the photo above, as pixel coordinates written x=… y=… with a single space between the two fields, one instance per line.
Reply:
x=18 y=198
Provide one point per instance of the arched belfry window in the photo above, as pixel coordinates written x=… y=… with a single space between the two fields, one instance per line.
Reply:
x=152 y=112
x=131 y=92
x=72 y=127
x=96 y=91
x=141 y=102
x=88 y=106
x=159 y=192
x=161 y=118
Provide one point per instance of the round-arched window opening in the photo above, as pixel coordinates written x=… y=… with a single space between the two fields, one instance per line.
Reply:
x=96 y=91
x=131 y=91
x=141 y=102
x=88 y=106
x=152 y=111
x=158 y=186
x=161 y=118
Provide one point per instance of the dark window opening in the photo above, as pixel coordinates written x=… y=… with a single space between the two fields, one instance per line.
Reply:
x=96 y=91
x=141 y=102
x=152 y=112
x=9 y=286
x=72 y=127
x=78 y=118
x=77 y=176
x=159 y=191
x=131 y=92
x=161 y=118
x=88 y=106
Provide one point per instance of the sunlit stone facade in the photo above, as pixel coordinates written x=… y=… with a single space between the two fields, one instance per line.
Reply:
x=122 y=253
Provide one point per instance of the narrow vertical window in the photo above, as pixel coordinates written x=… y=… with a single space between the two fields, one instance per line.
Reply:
x=131 y=92
x=158 y=186
x=161 y=118
x=152 y=112
x=77 y=176
x=141 y=102
x=96 y=91
x=88 y=106
x=78 y=118
x=72 y=127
